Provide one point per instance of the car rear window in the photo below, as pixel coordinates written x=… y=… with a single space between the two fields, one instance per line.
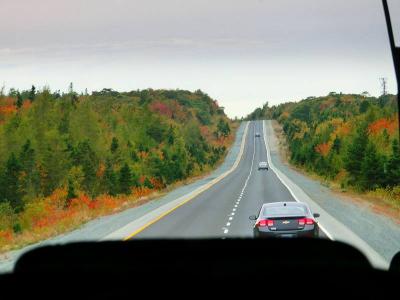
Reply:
x=276 y=211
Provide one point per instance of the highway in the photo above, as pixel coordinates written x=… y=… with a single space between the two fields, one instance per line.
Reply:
x=219 y=206
x=223 y=210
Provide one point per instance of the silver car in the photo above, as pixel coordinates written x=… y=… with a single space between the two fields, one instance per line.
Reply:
x=262 y=165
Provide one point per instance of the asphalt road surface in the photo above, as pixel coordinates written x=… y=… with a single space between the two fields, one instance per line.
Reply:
x=224 y=209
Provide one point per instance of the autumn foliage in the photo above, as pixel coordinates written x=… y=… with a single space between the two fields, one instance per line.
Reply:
x=346 y=138
x=68 y=158
x=377 y=127
x=323 y=149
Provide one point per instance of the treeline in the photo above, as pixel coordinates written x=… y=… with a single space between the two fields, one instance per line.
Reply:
x=104 y=143
x=350 y=138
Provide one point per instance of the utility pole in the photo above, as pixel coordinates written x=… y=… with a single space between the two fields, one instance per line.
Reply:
x=383 y=81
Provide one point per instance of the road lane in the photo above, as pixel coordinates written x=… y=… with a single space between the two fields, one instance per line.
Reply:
x=203 y=216
x=223 y=209
x=264 y=187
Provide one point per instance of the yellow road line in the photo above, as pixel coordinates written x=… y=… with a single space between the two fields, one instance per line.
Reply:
x=206 y=187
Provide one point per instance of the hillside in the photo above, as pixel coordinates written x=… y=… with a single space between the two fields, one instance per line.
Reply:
x=67 y=158
x=349 y=139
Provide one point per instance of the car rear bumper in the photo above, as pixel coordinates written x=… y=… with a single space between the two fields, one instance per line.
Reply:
x=286 y=234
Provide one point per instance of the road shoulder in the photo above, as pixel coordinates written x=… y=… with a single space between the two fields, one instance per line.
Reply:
x=378 y=232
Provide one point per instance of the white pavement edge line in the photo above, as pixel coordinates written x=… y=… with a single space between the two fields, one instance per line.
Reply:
x=153 y=215
x=342 y=232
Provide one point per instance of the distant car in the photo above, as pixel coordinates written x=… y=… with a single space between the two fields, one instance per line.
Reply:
x=285 y=219
x=257 y=134
x=263 y=165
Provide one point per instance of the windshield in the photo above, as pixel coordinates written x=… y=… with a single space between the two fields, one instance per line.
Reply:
x=271 y=211
x=126 y=120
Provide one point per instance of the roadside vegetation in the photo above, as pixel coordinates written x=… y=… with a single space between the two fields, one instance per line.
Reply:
x=348 y=139
x=66 y=158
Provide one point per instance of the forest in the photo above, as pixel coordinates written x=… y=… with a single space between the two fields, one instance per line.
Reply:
x=350 y=139
x=66 y=158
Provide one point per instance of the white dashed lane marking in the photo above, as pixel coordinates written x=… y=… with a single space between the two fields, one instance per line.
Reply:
x=243 y=190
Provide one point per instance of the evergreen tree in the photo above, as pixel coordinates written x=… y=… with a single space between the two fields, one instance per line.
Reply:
x=86 y=157
x=386 y=137
x=134 y=156
x=371 y=169
x=71 y=194
x=27 y=157
x=11 y=182
x=125 y=179
x=19 y=100
x=223 y=128
x=364 y=106
x=110 y=183
x=32 y=93
x=72 y=94
x=356 y=153
x=147 y=183
x=393 y=165
x=30 y=180
x=171 y=135
x=114 y=145
x=63 y=126
x=336 y=145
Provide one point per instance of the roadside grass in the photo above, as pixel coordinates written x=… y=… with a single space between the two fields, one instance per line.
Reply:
x=383 y=201
x=48 y=217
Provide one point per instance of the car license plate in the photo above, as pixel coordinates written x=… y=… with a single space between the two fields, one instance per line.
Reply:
x=287 y=235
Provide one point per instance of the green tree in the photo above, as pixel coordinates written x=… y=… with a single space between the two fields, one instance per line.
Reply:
x=114 y=145
x=110 y=182
x=63 y=127
x=86 y=157
x=156 y=130
x=32 y=93
x=144 y=97
x=19 y=100
x=11 y=183
x=171 y=135
x=175 y=163
x=30 y=180
x=12 y=93
x=356 y=153
x=336 y=145
x=72 y=94
x=371 y=169
x=125 y=180
x=393 y=165
x=71 y=194
x=223 y=128
x=147 y=183
x=364 y=106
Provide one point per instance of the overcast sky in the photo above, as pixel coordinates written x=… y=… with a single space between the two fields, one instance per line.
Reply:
x=242 y=53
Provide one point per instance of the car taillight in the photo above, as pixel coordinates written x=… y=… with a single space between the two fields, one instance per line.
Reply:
x=263 y=223
x=306 y=221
